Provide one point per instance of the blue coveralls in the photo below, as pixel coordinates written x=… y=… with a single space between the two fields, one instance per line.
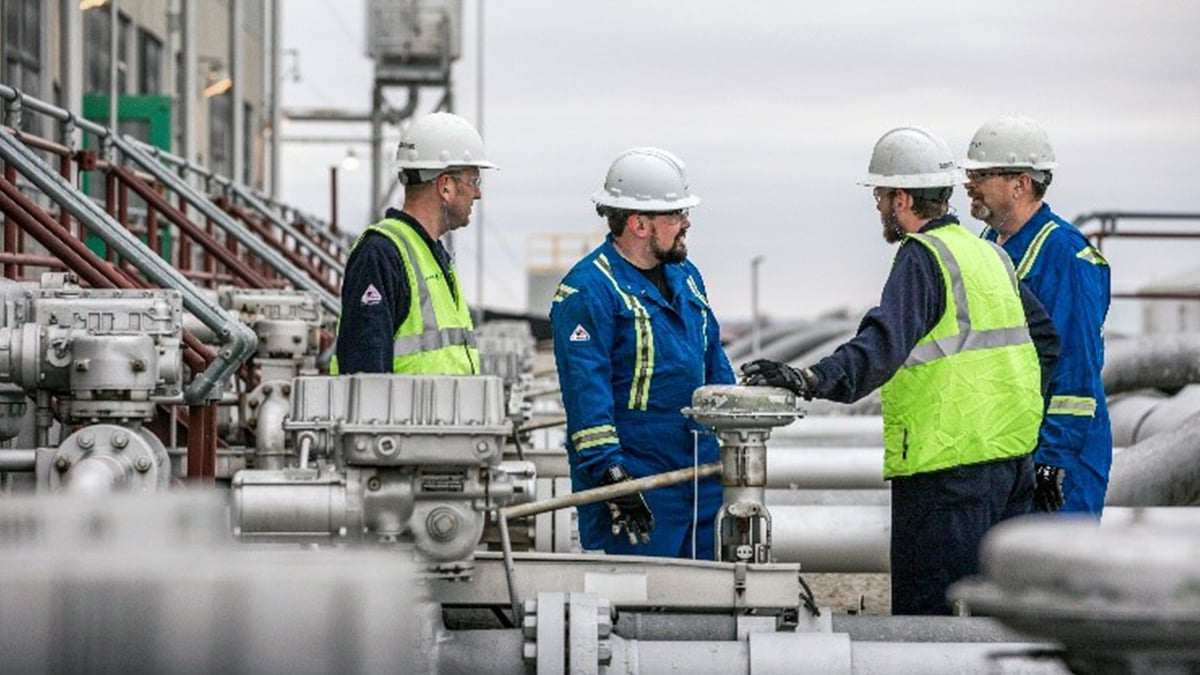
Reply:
x=628 y=362
x=1072 y=280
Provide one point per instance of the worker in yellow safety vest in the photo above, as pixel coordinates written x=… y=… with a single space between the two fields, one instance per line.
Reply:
x=403 y=310
x=961 y=350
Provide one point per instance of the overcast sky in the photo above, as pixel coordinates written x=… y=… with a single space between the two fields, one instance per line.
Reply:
x=774 y=106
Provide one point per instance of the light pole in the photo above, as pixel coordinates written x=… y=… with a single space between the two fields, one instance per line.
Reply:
x=755 y=344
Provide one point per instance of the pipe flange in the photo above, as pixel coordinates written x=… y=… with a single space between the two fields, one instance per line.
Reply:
x=110 y=458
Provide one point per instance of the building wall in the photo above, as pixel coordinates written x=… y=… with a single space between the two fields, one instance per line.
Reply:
x=158 y=18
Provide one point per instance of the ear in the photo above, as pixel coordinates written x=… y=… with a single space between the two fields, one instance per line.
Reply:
x=636 y=223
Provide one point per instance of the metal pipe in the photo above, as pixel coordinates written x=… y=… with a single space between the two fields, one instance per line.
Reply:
x=506 y=549
x=18 y=460
x=114 y=36
x=857 y=538
x=275 y=80
x=606 y=492
x=1162 y=470
x=824 y=468
x=187 y=31
x=239 y=339
x=237 y=91
x=755 y=327
x=253 y=202
x=829 y=430
x=209 y=210
x=1160 y=361
x=95 y=475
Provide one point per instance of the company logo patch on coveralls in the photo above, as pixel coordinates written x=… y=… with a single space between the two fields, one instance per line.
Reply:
x=580 y=334
x=371 y=296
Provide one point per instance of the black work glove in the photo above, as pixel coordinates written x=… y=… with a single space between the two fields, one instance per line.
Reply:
x=802 y=381
x=1047 y=490
x=629 y=513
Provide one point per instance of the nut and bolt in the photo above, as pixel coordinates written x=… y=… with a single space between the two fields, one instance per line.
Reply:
x=120 y=440
x=143 y=464
x=86 y=440
x=62 y=464
x=442 y=524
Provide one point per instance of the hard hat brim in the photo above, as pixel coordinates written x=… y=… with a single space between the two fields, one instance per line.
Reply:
x=926 y=180
x=604 y=198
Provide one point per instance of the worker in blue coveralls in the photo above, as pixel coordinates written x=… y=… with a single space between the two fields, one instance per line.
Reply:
x=961 y=349
x=1009 y=165
x=403 y=310
x=634 y=335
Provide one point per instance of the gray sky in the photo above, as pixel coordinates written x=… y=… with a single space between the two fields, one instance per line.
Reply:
x=775 y=106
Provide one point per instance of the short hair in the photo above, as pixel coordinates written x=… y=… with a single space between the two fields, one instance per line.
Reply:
x=617 y=218
x=932 y=202
x=1039 y=186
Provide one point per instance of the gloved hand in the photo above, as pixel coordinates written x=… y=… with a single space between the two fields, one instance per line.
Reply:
x=629 y=513
x=1047 y=490
x=802 y=381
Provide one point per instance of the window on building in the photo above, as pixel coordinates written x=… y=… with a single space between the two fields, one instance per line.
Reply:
x=95 y=54
x=22 y=51
x=124 y=34
x=220 y=134
x=150 y=63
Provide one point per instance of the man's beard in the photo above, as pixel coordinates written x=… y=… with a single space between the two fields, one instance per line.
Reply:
x=892 y=232
x=981 y=212
x=676 y=254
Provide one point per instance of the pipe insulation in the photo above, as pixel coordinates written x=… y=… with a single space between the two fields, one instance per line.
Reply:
x=1163 y=470
x=857 y=538
x=1160 y=361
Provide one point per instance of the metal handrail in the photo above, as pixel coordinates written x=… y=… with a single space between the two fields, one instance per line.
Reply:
x=141 y=153
x=239 y=340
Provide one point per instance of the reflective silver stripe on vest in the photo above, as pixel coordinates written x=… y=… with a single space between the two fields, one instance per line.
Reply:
x=435 y=339
x=431 y=337
x=966 y=339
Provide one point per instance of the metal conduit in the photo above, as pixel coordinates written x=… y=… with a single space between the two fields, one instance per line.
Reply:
x=72 y=251
x=239 y=340
x=252 y=200
x=132 y=149
x=72 y=122
x=210 y=211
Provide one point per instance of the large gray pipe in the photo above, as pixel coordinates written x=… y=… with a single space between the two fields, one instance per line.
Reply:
x=1160 y=471
x=1160 y=361
x=857 y=538
x=825 y=468
x=830 y=430
x=767 y=653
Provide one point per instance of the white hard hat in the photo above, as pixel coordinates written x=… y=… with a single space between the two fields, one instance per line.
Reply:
x=440 y=141
x=1013 y=142
x=911 y=157
x=646 y=179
